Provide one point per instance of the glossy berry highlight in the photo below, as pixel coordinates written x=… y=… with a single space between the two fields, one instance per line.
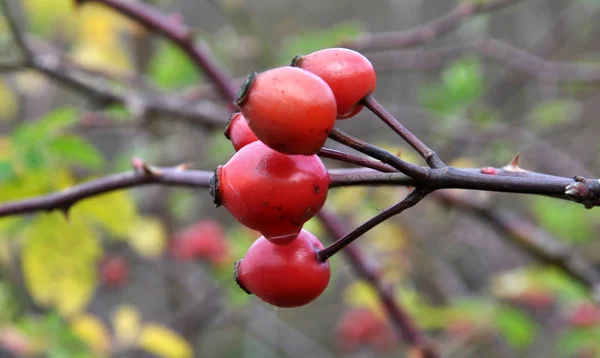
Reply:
x=350 y=75
x=238 y=132
x=284 y=275
x=270 y=192
x=289 y=109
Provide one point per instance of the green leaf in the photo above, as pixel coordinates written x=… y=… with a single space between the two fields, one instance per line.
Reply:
x=311 y=41
x=462 y=84
x=46 y=127
x=572 y=225
x=6 y=170
x=170 y=68
x=516 y=327
x=71 y=149
x=577 y=340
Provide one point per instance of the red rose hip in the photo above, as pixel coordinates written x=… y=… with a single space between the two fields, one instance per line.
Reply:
x=114 y=270
x=349 y=74
x=289 y=109
x=238 y=132
x=284 y=275
x=271 y=192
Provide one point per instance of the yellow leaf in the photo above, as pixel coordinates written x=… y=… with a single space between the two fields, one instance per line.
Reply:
x=9 y=104
x=92 y=330
x=98 y=44
x=463 y=162
x=115 y=212
x=59 y=262
x=163 y=342
x=148 y=237
x=126 y=325
x=362 y=294
x=47 y=15
x=387 y=237
x=347 y=200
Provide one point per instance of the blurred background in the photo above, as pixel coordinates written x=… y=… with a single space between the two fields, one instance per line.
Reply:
x=148 y=272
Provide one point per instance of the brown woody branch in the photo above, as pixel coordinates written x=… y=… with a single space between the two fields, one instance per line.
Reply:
x=182 y=36
x=55 y=66
x=502 y=52
x=428 y=31
x=406 y=326
x=530 y=238
x=141 y=175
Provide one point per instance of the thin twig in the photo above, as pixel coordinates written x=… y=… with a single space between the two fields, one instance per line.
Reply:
x=411 y=200
x=402 y=321
x=353 y=159
x=182 y=36
x=530 y=238
x=11 y=16
x=429 y=155
x=386 y=157
x=428 y=31
x=502 y=52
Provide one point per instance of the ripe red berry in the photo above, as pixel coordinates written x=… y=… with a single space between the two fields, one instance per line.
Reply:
x=289 y=109
x=203 y=240
x=114 y=271
x=238 y=132
x=349 y=74
x=284 y=275
x=270 y=192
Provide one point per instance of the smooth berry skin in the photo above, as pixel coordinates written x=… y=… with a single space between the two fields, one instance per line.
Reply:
x=289 y=109
x=114 y=271
x=238 y=132
x=271 y=192
x=284 y=275
x=350 y=75
x=203 y=240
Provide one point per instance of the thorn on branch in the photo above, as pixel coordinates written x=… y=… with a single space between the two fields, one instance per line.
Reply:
x=140 y=166
x=513 y=166
x=184 y=166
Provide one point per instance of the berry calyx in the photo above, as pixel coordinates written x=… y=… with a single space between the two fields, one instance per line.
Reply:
x=284 y=275
x=203 y=240
x=289 y=109
x=349 y=74
x=238 y=132
x=270 y=192
x=114 y=271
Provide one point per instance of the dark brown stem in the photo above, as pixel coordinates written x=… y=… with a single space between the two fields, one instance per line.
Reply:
x=429 y=155
x=386 y=157
x=353 y=159
x=401 y=320
x=181 y=35
x=63 y=200
x=411 y=200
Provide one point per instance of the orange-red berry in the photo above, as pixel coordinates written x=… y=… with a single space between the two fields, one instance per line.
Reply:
x=238 y=132
x=349 y=74
x=284 y=275
x=271 y=192
x=289 y=109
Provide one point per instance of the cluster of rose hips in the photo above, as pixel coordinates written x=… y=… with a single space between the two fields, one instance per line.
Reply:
x=276 y=182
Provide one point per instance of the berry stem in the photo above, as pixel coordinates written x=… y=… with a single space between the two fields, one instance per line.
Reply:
x=409 y=201
x=386 y=157
x=424 y=151
x=353 y=159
